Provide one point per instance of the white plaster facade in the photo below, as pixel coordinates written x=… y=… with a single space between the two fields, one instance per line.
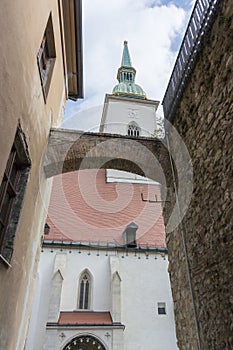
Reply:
x=119 y=112
x=143 y=283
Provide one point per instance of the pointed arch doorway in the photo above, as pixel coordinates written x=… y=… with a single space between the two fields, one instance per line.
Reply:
x=85 y=342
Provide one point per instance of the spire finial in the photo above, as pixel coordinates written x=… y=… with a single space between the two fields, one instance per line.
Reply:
x=126 y=60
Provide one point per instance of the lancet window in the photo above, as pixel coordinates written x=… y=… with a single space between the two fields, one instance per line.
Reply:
x=84 y=291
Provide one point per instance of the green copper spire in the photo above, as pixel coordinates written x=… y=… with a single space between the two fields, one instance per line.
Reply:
x=126 y=60
x=126 y=77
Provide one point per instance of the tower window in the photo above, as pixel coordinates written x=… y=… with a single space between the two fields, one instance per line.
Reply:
x=46 y=57
x=84 y=291
x=162 y=308
x=12 y=191
x=133 y=130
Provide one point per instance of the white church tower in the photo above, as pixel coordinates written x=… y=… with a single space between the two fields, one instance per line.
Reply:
x=127 y=111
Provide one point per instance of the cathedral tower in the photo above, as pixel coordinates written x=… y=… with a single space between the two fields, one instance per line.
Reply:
x=127 y=111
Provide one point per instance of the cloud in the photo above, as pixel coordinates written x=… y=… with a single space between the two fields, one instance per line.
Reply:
x=151 y=28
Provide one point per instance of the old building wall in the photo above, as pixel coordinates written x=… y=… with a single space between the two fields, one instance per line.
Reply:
x=203 y=118
x=21 y=100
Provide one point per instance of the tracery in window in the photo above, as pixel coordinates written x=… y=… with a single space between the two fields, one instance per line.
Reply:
x=133 y=129
x=84 y=291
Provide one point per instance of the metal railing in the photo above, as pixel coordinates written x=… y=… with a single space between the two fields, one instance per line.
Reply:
x=198 y=25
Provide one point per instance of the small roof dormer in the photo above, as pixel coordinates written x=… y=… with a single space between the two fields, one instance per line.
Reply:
x=129 y=235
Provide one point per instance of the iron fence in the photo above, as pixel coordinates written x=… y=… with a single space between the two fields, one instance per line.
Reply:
x=198 y=25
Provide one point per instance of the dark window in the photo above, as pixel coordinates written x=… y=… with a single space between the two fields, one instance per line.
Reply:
x=12 y=190
x=131 y=239
x=161 y=308
x=86 y=295
x=133 y=130
x=46 y=229
x=46 y=57
x=84 y=291
x=8 y=190
x=129 y=235
x=81 y=296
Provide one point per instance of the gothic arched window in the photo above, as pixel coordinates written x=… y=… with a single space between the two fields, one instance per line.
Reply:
x=84 y=299
x=133 y=130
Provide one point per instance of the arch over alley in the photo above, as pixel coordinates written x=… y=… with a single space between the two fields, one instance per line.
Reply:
x=70 y=150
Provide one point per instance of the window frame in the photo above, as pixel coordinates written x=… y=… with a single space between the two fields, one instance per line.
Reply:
x=84 y=297
x=8 y=191
x=46 y=57
x=161 y=306
x=13 y=183
x=133 y=130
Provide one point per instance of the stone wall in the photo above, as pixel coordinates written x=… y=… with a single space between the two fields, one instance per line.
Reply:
x=70 y=150
x=203 y=118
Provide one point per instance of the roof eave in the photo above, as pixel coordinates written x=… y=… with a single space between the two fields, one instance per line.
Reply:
x=74 y=50
x=79 y=48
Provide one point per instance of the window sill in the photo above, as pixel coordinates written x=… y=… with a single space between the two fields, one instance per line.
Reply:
x=84 y=310
x=5 y=262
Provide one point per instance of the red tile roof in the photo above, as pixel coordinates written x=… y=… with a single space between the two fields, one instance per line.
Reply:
x=84 y=207
x=85 y=318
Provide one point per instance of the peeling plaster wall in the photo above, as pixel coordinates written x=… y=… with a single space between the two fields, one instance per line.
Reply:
x=21 y=99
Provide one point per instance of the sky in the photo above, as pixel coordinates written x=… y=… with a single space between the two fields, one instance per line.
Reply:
x=154 y=30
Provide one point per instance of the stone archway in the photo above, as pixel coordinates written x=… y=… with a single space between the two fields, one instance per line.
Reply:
x=70 y=150
x=85 y=342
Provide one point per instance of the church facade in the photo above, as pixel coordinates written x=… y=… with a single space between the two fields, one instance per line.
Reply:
x=102 y=281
